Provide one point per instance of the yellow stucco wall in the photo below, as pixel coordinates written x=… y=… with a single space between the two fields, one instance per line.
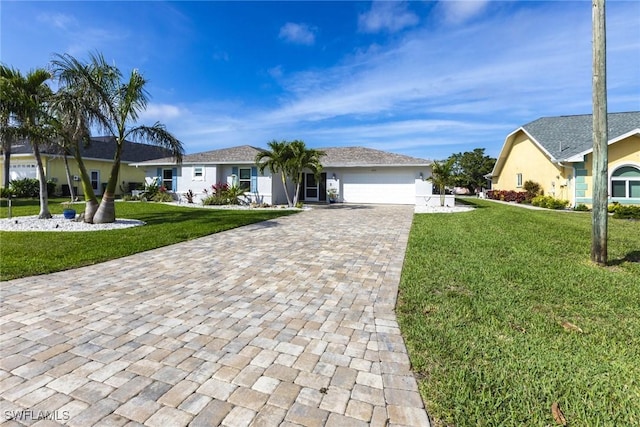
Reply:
x=622 y=153
x=524 y=157
x=574 y=181
x=54 y=169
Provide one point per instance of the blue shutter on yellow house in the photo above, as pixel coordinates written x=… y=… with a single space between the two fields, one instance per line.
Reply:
x=254 y=179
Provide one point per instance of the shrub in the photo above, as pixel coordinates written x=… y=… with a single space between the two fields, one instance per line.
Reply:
x=532 y=189
x=581 y=208
x=5 y=193
x=626 y=212
x=507 y=195
x=612 y=207
x=26 y=187
x=189 y=196
x=223 y=194
x=549 y=202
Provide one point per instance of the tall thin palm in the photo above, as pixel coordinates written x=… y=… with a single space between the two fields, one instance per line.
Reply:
x=301 y=159
x=276 y=159
x=8 y=77
x=442 y=176
x=71 y=126
x=27 y=98
x=76 y=108
x=120 y=103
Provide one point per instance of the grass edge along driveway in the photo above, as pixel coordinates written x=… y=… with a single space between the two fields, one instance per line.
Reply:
x=504 y=315
x=31 y=253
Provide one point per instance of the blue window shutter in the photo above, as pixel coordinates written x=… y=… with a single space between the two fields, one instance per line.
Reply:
x=254 y=179
x=174 y=179
x=234 y=170
x=159 y=175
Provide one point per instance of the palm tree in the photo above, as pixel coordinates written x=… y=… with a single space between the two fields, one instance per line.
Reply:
x=276 y=159
x=71 y=126
x=301 y=159
x=76 y=108
x=120 y=103
x=26 y=101
x=7 y=131
x=442 y=176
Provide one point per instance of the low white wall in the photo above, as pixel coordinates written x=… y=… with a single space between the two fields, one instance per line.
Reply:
x=434 y=200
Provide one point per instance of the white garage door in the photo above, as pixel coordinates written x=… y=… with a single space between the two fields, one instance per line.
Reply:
x=380 y=186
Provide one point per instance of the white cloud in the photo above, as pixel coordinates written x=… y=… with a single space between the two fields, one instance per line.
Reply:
x=298 y=33
x=458 y=12
x=388 y=16
x=58 y=20
x=160 y=113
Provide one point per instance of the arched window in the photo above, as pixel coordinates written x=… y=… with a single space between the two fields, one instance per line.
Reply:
x=625 y=183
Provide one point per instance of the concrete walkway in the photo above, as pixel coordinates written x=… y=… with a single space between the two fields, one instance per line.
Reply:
x=287 y=322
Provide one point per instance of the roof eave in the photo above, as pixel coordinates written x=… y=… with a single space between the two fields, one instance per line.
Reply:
x=580 y=156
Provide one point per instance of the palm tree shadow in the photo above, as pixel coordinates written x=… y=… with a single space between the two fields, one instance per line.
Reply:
x=633 y=256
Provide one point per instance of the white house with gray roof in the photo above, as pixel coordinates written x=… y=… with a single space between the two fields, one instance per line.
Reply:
x=358 y=175
x=557 y=153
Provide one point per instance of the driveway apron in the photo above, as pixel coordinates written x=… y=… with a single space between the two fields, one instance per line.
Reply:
x=285 y=322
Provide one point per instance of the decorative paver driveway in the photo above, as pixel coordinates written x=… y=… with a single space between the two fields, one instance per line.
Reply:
x=286 y=322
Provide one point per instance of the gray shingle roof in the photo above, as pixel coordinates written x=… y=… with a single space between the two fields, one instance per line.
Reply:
x=565 y=136
x=241 y=154
x=362 y=156
x=102 y=147
x=335 y=157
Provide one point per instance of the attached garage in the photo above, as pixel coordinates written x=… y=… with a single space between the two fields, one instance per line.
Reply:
x=384 y=185
x=365 y=175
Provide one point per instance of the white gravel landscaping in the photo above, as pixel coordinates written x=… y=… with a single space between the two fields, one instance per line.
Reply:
x=59 y=223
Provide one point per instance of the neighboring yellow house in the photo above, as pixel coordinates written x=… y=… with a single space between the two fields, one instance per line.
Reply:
x=98 y=158
x=557 y=153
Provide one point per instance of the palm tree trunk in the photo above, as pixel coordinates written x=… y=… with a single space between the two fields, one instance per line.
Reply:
x=72 y=194
x=442 y=195
x=106 y=212
x=44 y=196
x=286 y=190
x=6 y=158
x=91 y=201
x=297 y=195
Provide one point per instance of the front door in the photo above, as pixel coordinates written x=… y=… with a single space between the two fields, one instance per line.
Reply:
x=312 y=190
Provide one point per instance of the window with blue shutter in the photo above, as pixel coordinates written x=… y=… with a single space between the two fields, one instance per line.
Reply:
x=254 y=179
x=174 y=179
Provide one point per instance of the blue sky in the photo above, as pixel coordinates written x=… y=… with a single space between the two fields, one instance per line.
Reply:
x=426 y=79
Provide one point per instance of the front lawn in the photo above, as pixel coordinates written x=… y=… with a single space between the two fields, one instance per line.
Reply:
x=30 y=253
x=504 y=315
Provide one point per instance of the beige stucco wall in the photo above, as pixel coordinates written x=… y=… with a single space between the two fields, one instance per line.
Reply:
x=526 y=158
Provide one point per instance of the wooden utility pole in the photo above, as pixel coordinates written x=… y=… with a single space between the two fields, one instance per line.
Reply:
x=600 y=136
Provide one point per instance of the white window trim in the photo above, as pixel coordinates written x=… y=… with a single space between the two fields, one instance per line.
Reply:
x=627 y=187
x=195 y=177
x=248 y=181
x=518 y=180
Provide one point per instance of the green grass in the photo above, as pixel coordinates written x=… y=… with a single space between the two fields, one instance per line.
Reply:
x=482 y=303
x=31 y=253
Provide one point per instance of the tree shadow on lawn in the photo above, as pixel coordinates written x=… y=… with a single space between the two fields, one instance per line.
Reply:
x=633 y=256
x=207 y=216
